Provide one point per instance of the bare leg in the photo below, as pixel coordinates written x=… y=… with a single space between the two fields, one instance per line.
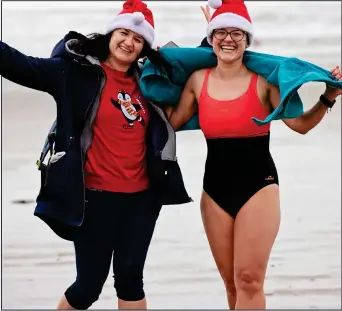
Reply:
x=64 y=305
x=256 y=227
x=219 y=228
x=132 y=305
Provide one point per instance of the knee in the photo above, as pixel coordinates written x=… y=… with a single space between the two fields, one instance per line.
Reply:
x=129 y=285
x=81 y=296
x=249 y=281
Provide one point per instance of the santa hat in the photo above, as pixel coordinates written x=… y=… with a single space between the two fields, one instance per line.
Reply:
x=229 y=13
x=137 y=17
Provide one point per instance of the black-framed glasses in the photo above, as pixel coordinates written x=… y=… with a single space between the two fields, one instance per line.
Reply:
x=236 y=35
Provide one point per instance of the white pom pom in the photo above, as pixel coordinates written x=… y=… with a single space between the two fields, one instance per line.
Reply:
x=138 y=18
x=215 y=4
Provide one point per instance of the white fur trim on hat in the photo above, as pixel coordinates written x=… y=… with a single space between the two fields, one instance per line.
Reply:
x=135 y=23
x=138 y=18
x=215 y=4
x=225 y=20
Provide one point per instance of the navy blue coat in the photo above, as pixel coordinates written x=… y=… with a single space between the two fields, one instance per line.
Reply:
x=75 y=82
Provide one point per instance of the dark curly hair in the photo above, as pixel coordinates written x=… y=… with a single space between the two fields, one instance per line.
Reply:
x=97 y=45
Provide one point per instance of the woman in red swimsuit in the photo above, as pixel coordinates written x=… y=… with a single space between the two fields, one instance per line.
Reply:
x=240 y=201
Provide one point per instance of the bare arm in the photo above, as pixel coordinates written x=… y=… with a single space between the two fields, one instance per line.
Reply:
x=311 y=118
x=186 y=107
x=307 y=121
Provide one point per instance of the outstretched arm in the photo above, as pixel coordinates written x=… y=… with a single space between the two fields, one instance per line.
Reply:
x=311 y=118
x=186 y=107
x=42 y=74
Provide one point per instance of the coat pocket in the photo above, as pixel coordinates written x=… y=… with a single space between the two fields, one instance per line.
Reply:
x=57 y=171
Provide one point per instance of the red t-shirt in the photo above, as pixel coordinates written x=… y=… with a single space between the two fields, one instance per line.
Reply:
x=116 y=158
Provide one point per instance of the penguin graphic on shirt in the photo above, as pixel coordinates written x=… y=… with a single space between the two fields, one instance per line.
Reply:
x=129 y=110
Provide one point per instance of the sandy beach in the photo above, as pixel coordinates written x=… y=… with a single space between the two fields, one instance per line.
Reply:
x=305 y=266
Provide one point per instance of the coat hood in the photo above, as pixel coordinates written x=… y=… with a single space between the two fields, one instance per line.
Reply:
x=63 y=47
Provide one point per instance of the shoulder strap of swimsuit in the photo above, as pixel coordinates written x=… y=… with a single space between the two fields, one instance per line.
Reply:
x=254 y=81
x=205 y=83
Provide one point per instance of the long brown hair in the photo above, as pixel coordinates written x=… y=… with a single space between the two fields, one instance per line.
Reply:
x=97 y=45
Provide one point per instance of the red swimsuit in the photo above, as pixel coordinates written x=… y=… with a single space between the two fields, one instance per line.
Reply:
x=232 y=118
x=238 y=163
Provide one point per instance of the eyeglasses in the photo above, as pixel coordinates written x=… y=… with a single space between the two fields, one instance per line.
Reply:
x=235 y=35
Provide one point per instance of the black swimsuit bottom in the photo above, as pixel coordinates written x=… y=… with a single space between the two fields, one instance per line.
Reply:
x=236 y=169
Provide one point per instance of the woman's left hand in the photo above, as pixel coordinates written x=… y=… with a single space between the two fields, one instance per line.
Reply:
x=331 y=91
x=206 y=12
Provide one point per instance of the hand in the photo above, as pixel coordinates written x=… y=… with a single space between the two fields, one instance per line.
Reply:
x=145 y=57
x=168 y=110
x=331 y=93
x=206 y=12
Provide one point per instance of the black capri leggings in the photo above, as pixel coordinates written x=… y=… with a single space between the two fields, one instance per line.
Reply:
x=118 y=225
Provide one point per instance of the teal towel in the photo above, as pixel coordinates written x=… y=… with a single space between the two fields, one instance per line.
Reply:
x=289 y=74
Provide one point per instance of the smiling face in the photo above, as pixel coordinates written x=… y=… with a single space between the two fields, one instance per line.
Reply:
x=125 y=46
x=229 y=44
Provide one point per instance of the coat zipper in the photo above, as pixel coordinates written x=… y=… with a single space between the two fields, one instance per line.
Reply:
x=96 y=97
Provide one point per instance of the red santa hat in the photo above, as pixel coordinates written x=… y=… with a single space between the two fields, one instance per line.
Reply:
x=229 y=13
x=135 y=16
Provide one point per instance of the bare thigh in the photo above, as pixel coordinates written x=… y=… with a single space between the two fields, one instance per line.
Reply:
x=255 y=230
x=219 y=228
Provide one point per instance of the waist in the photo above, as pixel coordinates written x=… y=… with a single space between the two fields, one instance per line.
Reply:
x=238 y=160
x=246 y=150
x=120 y=184
x=115 y=170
